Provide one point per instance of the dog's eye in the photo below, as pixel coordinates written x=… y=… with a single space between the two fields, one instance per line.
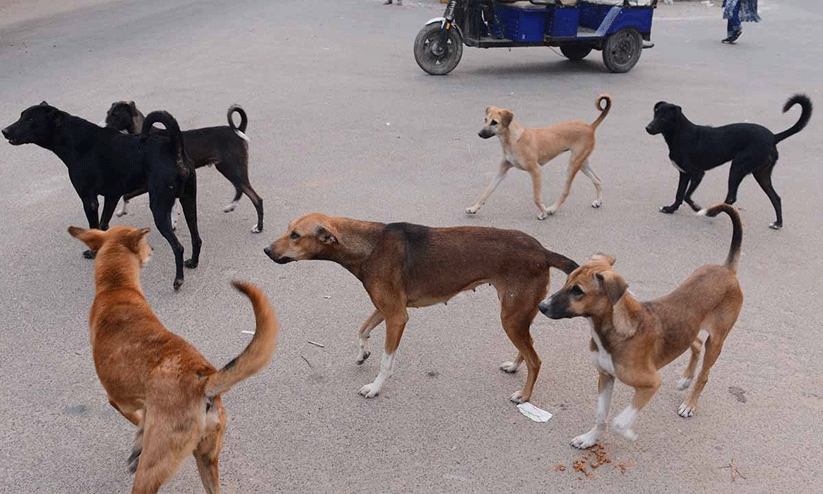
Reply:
x=494 y=122
x=294 y=235
x=577 y=291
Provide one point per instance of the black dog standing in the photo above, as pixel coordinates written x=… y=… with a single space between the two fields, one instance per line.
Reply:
x=751 y=148
x=108 y=163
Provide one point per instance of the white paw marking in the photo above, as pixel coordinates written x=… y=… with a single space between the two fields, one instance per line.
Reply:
x=471 y=210
x=543 y=215
x=586 y=440
x=775 y=226
x=256 y=229
x=685 y=410
x=684 y=383
x=517 y=397
x=623 y=423
x=369 y=391
x=597 y=203
x=509 y=367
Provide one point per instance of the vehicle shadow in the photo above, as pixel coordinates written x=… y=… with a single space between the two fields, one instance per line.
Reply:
x=529 y=69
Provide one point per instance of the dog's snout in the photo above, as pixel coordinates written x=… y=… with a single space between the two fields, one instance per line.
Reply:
x=5 y=132
x=485 y=133
x=267 y=251
x=545 y=306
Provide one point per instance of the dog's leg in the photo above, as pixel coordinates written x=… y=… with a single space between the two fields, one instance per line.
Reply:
x=207 y=452
x=162 y=220
x=598 y=187
x=764 y=178
x=90 y=206
x=505 y=166
x=605 y=386
x=257 y=201
x=127 y=198
x=109 y=203
x=714 y=344
x=364 y=333
x=228 y=208
x=694 y=181
x=516 y=314
x=537 y=195
x=189 y=202
x=688 y=374
x=681 y=191
x=395 y=324
x=511 y=367
x=576 y=162
x=175 y=213
x=164 y=447
x=625 y=420
x=123 y=209
x=137 y=448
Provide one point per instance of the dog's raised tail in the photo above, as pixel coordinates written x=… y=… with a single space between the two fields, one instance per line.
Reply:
x=805 y=114
x=258 y=352
x=737 y=231
x=172 y=129
x=243 y=120
x=604 y=109
x=560 y=262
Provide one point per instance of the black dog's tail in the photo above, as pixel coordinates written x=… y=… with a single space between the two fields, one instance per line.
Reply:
x=806 y=113
x=737 y=231
x=604 y=110
x=243 y=119
x=560 y=262
x=172 y=129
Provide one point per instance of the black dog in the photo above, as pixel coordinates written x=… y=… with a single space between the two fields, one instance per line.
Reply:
x=108 y=163
x=225 y=147
x=751 y=148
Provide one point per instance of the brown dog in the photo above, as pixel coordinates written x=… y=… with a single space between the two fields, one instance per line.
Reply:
x=154 y=378
x=632 y=340
x=403 y=265
x=529 y=149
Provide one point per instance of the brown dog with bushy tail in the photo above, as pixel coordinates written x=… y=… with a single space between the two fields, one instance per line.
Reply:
x=154 y=378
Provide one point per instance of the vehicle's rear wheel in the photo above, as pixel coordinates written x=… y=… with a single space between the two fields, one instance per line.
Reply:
x=431 y=56
x=622 y=50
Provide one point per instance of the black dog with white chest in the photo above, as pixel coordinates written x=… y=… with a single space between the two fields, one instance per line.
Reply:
x=108 y=163
x=694 y=149
x=225 y=147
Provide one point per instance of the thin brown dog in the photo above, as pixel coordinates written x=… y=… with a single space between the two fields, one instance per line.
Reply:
x=403 y=265
x=528 y=149
x=154 y=378
x=631 y=340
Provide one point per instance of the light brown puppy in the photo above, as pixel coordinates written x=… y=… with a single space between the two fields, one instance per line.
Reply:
x=528 y=149
x=403 y=265
x=154 y=378
x=631 y=340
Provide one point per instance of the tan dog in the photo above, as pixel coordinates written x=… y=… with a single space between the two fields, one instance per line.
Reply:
x=529 y=149
x=154 y=378
x=632 y=340
x=403 y=265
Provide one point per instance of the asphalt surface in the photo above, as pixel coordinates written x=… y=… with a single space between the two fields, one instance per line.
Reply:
x=342 y=121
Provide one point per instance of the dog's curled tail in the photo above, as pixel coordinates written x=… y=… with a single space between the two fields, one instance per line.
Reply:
x=805 y=114
x=604 y=110
x=173 y=130
x=259 y=350
x=238 y=129
x=560 y=262
x=737 y=231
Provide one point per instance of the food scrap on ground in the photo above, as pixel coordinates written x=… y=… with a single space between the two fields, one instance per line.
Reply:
x=591 y=460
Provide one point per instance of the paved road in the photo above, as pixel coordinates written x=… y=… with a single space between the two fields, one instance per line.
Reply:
x=342 y=121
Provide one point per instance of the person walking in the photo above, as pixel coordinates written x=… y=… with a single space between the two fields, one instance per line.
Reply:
x=737 y=11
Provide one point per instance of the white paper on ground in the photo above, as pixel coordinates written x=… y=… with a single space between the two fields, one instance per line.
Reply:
x=534 y=413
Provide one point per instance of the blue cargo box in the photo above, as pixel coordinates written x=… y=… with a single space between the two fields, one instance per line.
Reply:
x=522 y=24
x=562 y=21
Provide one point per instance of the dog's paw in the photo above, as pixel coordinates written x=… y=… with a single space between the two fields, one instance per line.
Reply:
x=684 y=383
x=585 y=441
x=517 y=397
x=362 y=357
x=668 y=209
x=471 y=210
x=369 y=391
x=257 y=228
x=178 y=282
x=191 y=263
x=509 y=367
x=121 y=213
x=229 y=208
x=775 y=225
x=543 y=215
x=597 y=203
x=89 y=254
x=686 y=410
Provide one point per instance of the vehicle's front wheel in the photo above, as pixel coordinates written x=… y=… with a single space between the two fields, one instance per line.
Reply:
x=431 y=56
x=622 y=50
x=575 y=52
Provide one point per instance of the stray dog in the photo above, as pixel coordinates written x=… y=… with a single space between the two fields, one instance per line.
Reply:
x=403 y=265
x=154 y=378
x=105 y=162
x=529 y=149
x=694 y=149
x=632 y=340
x=225 y=147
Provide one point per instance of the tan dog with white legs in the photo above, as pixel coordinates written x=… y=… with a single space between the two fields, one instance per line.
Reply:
x=528 y=149
x=631 y=340
x=154 y=378
x=403 y=265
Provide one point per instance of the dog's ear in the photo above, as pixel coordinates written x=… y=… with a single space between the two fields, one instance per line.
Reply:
x=133 y=108
x=604 y=257
x=134 y=239
x=488 y=109
x=612 y=284
x=325 y=235
x=658 y=105
x=506 y=118
x=43 y=103
x=93 y=238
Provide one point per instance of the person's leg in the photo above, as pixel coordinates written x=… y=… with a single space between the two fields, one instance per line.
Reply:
x=734 y=28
